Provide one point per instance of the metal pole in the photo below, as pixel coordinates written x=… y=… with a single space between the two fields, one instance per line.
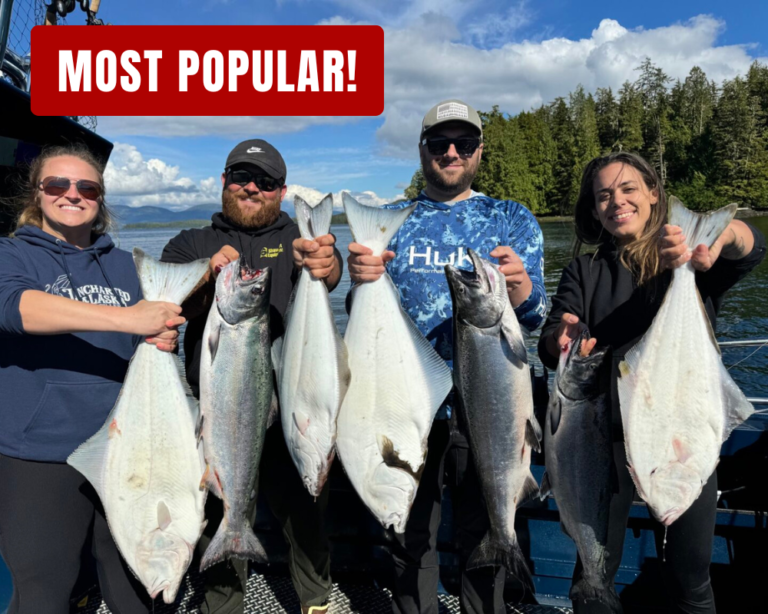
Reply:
x=6 y=7
x=757 y=401
x=747 y=343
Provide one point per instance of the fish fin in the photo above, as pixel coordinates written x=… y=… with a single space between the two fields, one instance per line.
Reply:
x=392 y=459
x=163 y=516
x=301 y=420
x=697 y=227
x=737 y=408
x=581 y=591
x=533 y=433
x=555 y=413
x=91 y=457
x=162 y=281
x=233 y=542
x=277 y=355
x=530 y=490
x=511 y=331
x=345 y=375
x=682 y=451
x=438 y=376
x=211 y=482
x=510 y=556
x=199 y=427
x=546 y=486
x=274 y=409
x=373 y=227
x=214 y=334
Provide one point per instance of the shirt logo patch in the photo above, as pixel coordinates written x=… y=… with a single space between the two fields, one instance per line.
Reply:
x=89 y=293
x=452 y=109
x=271 y=252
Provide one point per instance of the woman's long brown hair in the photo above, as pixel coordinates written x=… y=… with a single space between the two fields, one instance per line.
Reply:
x=31 y=213
x=641 y=256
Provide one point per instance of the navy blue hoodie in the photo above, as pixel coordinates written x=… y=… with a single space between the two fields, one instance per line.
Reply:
x=57 y=390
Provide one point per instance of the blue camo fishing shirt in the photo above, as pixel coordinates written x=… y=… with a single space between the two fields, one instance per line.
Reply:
x=437 y=234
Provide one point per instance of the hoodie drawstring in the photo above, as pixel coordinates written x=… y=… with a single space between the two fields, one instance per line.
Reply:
x=66 y=269
x=111 y=285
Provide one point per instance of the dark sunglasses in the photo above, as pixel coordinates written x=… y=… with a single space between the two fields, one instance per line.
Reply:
x=439 y=145
x=265 y=183
x=56 y=186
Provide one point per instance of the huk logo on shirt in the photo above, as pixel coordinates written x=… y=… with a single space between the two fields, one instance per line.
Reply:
x=432 y=257
x=89 y=293
x=271 y=252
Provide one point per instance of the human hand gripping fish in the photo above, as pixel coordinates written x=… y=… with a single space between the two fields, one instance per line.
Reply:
x=570 y=330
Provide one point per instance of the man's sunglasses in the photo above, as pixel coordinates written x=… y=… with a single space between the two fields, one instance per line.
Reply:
x=265 y=183
x=56 y=186
x=439 y=145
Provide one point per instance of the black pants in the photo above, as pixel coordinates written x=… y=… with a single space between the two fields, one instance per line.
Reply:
x=47 y=511
x=302 y=520
x=417 y=569
x=688 y=551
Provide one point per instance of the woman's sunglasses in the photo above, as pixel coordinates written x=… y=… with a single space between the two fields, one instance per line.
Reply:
x=57 y=186
x=265 y=183
x=439 y=145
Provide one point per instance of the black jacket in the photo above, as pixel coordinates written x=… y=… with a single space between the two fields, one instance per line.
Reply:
x=262 y=247
x=604 y=295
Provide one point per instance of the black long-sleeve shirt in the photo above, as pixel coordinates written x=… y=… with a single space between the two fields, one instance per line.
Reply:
x=605 y=296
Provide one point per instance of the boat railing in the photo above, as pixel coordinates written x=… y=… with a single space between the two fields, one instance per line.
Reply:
x=13 y=66
x=759 y=343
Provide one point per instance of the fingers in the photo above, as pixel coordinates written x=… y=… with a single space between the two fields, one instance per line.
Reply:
x=503 y=252
x=229 y=252
x=175 y=322
x=357 y=249
x=326 y=240
x=587 y=345
x=702 y=258
x=673 y=249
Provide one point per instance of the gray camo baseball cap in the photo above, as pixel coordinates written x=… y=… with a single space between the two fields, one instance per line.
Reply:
x=451 y=111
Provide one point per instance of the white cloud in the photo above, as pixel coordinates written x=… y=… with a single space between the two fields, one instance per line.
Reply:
x=133 y=181
x=468 y=49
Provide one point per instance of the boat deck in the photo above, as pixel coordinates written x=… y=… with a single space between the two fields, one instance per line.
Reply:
x=274 y=594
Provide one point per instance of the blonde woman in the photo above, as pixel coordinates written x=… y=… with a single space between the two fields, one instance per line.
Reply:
x=71 y=316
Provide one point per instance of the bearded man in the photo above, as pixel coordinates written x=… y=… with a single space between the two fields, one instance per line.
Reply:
x=251 y=223
x=450 y=218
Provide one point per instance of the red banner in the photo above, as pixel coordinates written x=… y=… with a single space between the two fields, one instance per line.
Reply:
x=207 y=70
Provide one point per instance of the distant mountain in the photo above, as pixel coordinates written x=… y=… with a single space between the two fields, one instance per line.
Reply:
x=161 y=215
x=141 y=215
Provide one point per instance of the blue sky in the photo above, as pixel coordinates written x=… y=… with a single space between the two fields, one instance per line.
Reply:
x=514 y=54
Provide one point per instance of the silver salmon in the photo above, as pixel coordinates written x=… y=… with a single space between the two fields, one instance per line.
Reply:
x=495 y=398
x=236 y=398
x=578 y=451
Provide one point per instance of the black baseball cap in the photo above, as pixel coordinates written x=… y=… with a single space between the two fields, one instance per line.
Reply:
x=259 y=153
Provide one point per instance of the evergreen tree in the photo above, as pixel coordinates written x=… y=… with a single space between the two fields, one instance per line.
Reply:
x=652 y=86
x=561 y=128
x=630 y=119
x=417 y=185
x=608 y=119
x=586 y=141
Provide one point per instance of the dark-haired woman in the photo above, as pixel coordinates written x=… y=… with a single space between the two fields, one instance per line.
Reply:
x=71 y=316
x=615 y=293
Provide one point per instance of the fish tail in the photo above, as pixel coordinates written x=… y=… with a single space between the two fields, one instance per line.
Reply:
x=162 y=281
x=373 y=227
x=314 y=220
x=700 y=228
x=491 y=553
x=233 y=542
x=584 y=591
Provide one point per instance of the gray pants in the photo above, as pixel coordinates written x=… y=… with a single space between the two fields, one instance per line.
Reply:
x=302 y=520
x=415 y=555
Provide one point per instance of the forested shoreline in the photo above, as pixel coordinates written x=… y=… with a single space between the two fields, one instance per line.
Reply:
x=708 y=141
